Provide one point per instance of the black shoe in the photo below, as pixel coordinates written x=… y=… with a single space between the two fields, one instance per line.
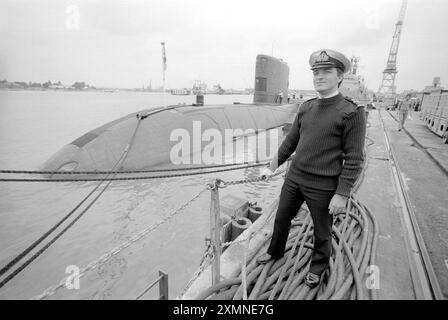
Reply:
x=312 y=280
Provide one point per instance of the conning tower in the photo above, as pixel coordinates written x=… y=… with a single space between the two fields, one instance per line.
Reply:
x=271 y=77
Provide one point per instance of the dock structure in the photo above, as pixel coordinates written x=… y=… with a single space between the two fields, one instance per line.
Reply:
x=423 y=162
x=404 y=185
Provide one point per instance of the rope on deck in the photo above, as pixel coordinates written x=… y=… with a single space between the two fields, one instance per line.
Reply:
x=353 y=250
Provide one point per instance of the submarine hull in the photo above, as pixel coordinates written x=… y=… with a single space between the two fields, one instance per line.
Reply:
x=101 y=148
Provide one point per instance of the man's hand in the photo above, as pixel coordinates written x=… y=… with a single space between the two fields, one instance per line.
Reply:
x=337 y=204
x=265 y=173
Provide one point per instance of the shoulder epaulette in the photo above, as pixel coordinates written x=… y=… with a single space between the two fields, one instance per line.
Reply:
x=350 y=100
x=357 y=104
x=310 y=99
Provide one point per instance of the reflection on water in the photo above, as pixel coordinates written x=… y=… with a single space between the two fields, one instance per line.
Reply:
x=49 y=120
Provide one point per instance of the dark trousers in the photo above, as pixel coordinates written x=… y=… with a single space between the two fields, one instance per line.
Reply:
x=292 y=197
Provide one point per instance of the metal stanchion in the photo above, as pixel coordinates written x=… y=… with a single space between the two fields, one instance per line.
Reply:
x=215 y=227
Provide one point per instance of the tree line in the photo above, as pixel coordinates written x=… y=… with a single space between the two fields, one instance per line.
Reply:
x=46 y=85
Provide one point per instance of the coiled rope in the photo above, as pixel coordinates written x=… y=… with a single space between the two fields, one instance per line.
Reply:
x=283 y=279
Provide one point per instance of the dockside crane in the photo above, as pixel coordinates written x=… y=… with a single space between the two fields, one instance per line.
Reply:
x=388 y=88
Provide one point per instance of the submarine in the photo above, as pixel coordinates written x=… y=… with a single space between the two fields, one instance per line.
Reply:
x=101 y=148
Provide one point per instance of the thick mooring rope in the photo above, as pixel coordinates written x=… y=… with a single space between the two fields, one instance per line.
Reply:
x=353 y=250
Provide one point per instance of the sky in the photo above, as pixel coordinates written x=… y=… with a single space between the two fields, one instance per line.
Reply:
x=111 y=43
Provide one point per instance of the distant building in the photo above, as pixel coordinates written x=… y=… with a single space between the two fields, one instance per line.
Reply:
x=56 y=86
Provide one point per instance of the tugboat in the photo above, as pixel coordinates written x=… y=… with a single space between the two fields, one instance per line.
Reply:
x=181 y=92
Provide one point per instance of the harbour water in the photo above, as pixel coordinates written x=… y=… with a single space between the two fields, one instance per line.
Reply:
x=36 y=124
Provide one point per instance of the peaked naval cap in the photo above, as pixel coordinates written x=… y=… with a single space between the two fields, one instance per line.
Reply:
x=327 y=58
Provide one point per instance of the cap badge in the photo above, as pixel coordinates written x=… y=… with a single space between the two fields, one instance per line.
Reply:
x=323 y=57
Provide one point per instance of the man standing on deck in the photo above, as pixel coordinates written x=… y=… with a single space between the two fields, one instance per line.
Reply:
x=328 y=137
x=404 y=107
x=280 y=97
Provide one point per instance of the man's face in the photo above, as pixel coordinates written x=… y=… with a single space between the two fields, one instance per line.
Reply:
x=326 y=79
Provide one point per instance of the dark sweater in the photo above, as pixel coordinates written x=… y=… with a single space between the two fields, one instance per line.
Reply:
x=328 y=137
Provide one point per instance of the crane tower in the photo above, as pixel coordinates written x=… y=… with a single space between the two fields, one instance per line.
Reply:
x=387 y=87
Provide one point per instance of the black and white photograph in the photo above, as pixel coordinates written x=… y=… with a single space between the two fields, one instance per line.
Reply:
x=222 y=151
